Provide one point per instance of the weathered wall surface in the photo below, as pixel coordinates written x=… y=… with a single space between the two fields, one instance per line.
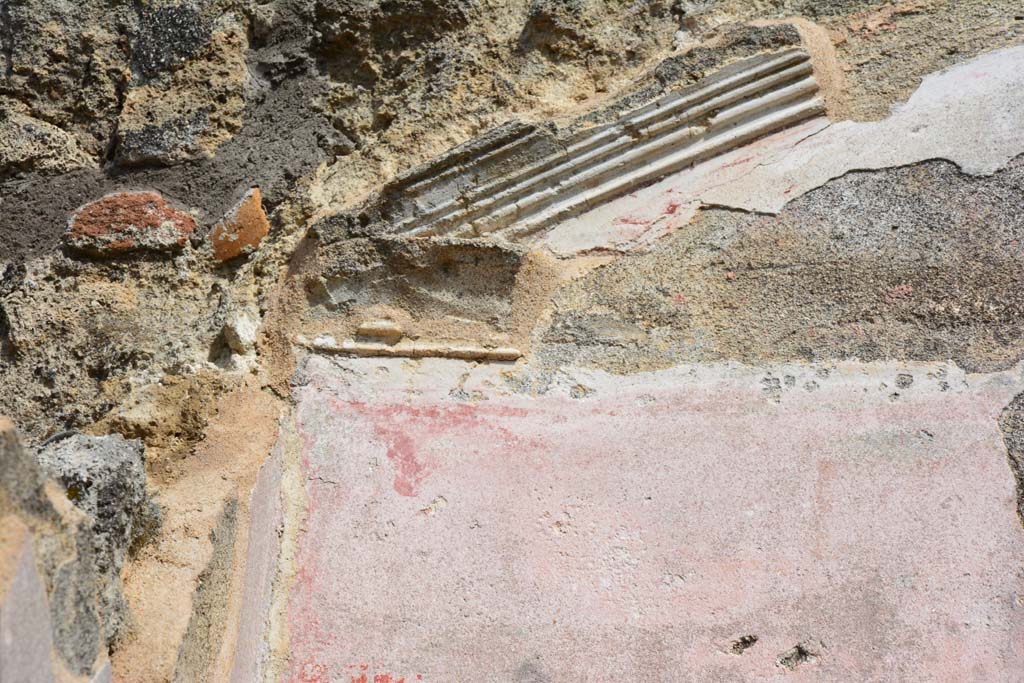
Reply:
x=653 y=242
x=700 y=523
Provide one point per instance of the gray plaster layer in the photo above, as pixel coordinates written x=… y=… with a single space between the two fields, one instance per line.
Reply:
x=260 y=568
x=1011 y=422
x=915 y=263
x=25 y=641
x=971 y=114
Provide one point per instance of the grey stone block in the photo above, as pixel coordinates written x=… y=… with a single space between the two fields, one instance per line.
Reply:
x=105 y=477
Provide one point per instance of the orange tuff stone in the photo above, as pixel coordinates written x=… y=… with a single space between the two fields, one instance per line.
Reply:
x=241 y=228
x=128 y=221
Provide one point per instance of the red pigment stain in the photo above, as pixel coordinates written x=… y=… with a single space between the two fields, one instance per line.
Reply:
x=737 y=162
x=679 y=299
x=312 y=672
x=403 y=428
x=363 y=677
x=304 y=617
x=631 y=220
x=673 y=207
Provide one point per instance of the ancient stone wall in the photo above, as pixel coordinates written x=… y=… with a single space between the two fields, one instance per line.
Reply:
x=511 y=340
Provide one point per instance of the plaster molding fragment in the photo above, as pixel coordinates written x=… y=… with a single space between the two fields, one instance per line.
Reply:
x=971 y=114
x=381 y=329
x=411 y=349
x=594 y=164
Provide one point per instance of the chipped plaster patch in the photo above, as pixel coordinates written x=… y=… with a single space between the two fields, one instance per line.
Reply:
x=971 y=115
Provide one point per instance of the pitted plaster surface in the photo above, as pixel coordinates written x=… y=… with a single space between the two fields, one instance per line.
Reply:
x=458 y=531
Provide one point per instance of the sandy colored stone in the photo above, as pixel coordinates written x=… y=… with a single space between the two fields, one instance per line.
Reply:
x=184 y=588
x=30 y=144
x=190 y=111
x=242 y=229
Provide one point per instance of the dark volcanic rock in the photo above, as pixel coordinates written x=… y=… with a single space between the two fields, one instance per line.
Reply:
x=166 y=36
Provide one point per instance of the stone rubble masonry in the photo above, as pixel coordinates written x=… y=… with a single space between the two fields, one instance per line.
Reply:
x=126 y=222
x=242 y=229
x=29 y=144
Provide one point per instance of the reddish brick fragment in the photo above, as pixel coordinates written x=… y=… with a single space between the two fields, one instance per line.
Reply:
x=242 y=228
x=124 y=222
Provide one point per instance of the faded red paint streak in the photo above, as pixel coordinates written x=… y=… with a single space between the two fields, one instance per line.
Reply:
x=409 y=471
x=304 y=612
x=631 y=220
x=744 y=160
x=404 y=428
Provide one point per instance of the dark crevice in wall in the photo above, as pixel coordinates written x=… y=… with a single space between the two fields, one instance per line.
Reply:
x=7 y=39
x=1011 y=424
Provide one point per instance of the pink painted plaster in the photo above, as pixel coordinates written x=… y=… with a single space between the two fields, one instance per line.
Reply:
x=637 y=533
